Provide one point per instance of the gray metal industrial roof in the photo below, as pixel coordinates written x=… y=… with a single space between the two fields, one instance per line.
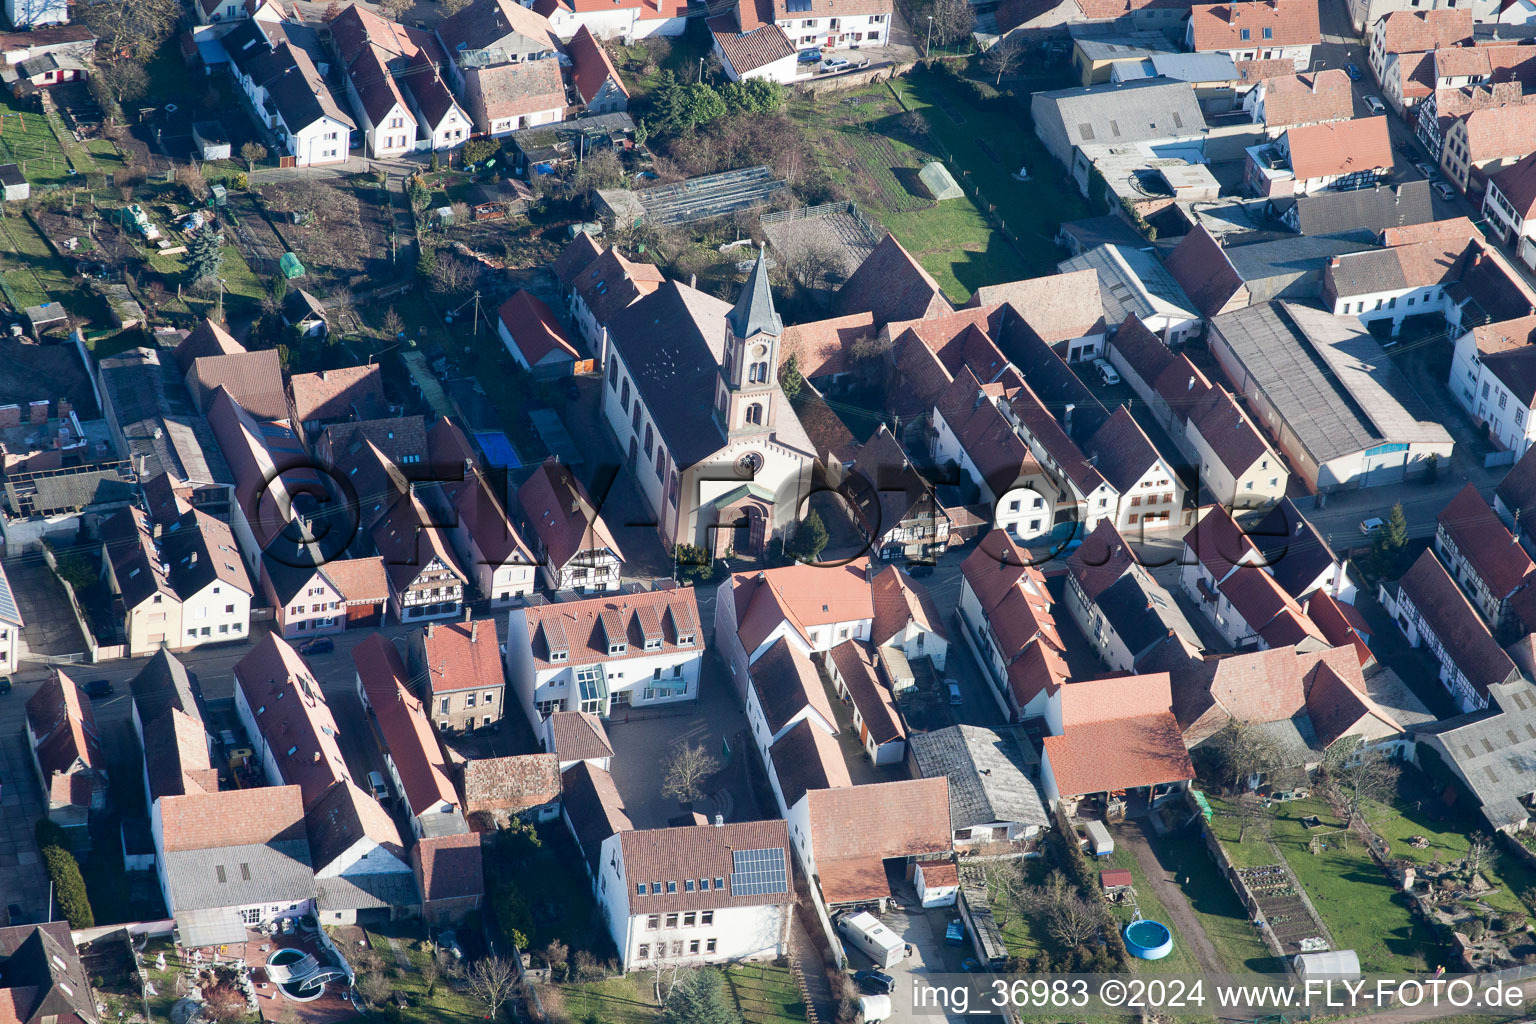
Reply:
x=1496 y=753
x=1128 y=111
x=1132 y=281
x=158 y=421
x=986 y=775
x=1181 y=67
x=1333 y=384
x=238 y=876
x=368 y=890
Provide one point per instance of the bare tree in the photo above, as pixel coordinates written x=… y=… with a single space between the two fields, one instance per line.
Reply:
x=124 y=79
x=373 y=986
x=1075 y=920
x=396 y=10
x=1004 y=56
x=1005 y=888
x=492 y=981
x=1477 y=849
x=452 y=7
x=1243 y=751
x=134 y=28
x=392 y=324
x=1357 y=775
x=812 y=264
x=454 y=274
x=252 y=153
x=953 y=21
x=687 y=769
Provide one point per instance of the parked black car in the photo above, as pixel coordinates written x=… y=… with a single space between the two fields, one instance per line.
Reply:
x=98 y=688
x=5 y=684
x=319 y=645
x=917 y=570
x=874 y=982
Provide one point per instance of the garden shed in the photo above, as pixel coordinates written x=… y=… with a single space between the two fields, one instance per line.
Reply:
x=939 y=182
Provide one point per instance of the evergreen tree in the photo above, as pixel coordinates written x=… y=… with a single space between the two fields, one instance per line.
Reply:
x=810 y=539
x=699 y=998
x=1389 y=542
x=205 y=255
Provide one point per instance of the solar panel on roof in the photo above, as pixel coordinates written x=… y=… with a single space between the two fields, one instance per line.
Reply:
x=758 y=872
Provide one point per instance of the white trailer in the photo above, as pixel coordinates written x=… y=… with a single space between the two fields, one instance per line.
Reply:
x=874 y=1008
x=1100 y=843
x=866 y=934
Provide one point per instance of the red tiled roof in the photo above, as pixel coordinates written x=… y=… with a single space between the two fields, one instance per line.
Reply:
x=1417 y=31
x=510 y=784
x=333 y=394
x=892 y=285
x=556 y=505
x=532 y=325
x=1229 y=432
x=1336 y=707
x=1456 y=624
x=1500 y=132
x=590 y=65
x=403 y=723
x=1339 y=623
x=360 y=580
x=1287 y=22
x=68 y=743
x=478 y=511
x=807 y=757
x=449 y=867
x=341 y=817
x=290 y=711
x=254 y=379
x=860 y=671
x=821 y=348
x=1220 y=544
x=578 y=736
x=460 y=655
x=1517 y=183
x=1308 y=98
x=806 y=596
x=1339 y=147
x=231 y=817
x=1486 y=543
x=1059 y=307
x=787 y=684
x=1201 y=267
x=409 y=541
x=856 y=827
x=206 y=339
x=1252 y=71
x=898 y=599
x=1118 y=733
x=586 y=630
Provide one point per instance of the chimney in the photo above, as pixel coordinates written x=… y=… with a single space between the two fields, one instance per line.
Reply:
x=429 y=629
x=10 y=416
x=1478 y=259
x=65 y=408
x=1066 y=422
x=37 y=412
x=693 y=280
x=474 y=629
x=1191 y=385
x=1333 y=261
x=719 y=821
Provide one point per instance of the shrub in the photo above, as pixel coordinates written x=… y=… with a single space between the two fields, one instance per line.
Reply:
x=476 y=150
x=68 y=887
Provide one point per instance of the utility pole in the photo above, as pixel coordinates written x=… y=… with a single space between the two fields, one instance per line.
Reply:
x=701 y=70
x=928 y=46
x=476 y=331
x=221 y=300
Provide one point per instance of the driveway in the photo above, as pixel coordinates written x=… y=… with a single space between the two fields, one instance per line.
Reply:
x=21 y=870
x=51 y=629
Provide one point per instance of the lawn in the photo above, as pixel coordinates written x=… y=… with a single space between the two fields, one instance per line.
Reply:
x=1221 y=914
x=33 y=274
x=445 y=1003
x=871 y=155
x=1351 y=893
x=764 y=993
x=986 y=148
x=1180 y=961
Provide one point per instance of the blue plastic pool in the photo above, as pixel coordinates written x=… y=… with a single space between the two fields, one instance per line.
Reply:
x=1149 y=940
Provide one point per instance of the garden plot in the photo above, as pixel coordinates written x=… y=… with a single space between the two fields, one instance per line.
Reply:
x=1284 y=909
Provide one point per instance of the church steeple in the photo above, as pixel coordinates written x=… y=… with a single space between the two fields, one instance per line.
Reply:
x=746 y=399
x=754 y=312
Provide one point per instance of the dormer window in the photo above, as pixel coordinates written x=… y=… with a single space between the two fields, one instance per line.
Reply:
x=685 y=640
x=653 y=643
x=558 y=655
x=618 y=648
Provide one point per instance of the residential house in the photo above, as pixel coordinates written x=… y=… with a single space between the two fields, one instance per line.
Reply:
x=1515 y=499
x=993 y=793
x=906 y=620
x=697 y=894
x=891 y=503
x=828 y=26
x=67 y=754
x=362 y=872
x=593 y=76
x=1372 y=209
x=314 y=595
x=1310 y=158
x=168 y=721
x=1005 y=614
x=395 y=85
x=488 y=31
x=253 y=379
x=626 y=19
x=603 y=653
x=806 y=757
x=502 y=98
x=411 y=753
x=1204 y=270
x=10 y=627
x=572 y=544
x=232 y=861
x=1328 y=395
x=1311 y=97
x=458 y=666
x=287 y=91
x=750 y=45
x=1481 y=143
x=1117 y=733
x=1482 y=555
x=786 y=690
x=1065 y=309
x=450 y=872
x=1491 y=379
x=1432 y=612
x=1509 y=207
x=534 y=337
x=503 y=570
x=1302 y=703
x=891 y=286
x=287 y=719
x=1226 y=575
x=1298 y=556
x=497 y=50
x=727 y=475
x=1238 y=468
x=378 y=460
x=42 y=980
x=1167 y=382
x=859 y=677
x=596 y=283
x=1118 y=604
x=1133 y=282
x=364 y=587
x=424 y=580
x=845 y=838
x=179 y=586
x=1399 y=281
x=814 y=608
x=336 y=396
x=1419 y=31
x=1256 y=30
x=498 y=789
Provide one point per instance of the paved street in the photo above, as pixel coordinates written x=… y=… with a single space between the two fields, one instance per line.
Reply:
x=22 y=880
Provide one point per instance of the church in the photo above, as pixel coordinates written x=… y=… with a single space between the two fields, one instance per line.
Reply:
x=691 y=391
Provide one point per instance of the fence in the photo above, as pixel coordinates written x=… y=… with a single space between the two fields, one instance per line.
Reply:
x=135 y=929
x=874 y=232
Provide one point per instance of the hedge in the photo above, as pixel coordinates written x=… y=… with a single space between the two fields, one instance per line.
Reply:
x=64 y=872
